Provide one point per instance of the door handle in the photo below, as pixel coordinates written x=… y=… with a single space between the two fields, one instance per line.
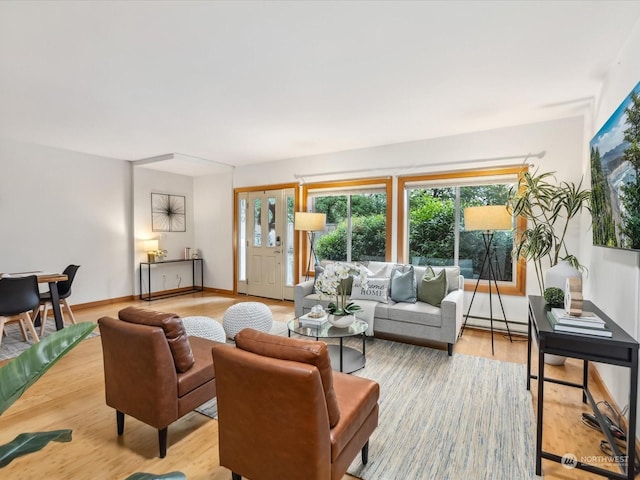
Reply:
x=277 y=251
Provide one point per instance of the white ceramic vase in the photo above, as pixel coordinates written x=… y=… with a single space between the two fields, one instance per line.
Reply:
x=557 y=276
x=341 y=321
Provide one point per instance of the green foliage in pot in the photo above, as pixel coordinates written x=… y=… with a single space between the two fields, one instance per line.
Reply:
x=22 y=372
x=548 y=207
x=554 y=296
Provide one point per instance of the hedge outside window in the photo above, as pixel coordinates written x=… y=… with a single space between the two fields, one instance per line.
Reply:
x=358 y=214
x=431 y=229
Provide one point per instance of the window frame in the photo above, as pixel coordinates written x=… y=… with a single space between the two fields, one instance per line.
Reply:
x=385 y=182
x=507 y=288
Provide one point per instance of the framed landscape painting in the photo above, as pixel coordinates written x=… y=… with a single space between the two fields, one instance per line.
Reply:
x=615 y=177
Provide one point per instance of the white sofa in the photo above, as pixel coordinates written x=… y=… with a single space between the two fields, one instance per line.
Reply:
x=419 y=321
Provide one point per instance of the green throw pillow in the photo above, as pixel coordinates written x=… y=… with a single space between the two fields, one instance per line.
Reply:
x=403 y=286
x=433 y=288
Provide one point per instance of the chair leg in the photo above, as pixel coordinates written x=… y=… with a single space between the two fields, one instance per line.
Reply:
x=365 y=453
x=66 y=306
x=2 y=332
x=43 y=319
x=162 y=440
x=22 y=329
x=120 y=421
x=30 y=326
x=235 y=476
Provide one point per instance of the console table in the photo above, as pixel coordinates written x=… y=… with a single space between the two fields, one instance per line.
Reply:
x=194 y=286
x=619 y=349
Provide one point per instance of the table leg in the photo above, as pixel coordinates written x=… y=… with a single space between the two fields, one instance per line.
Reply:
x=55 y=304
x=585 y=380
x=529 y=340
x=341 y=369
x=633 y=403
x=540 y=407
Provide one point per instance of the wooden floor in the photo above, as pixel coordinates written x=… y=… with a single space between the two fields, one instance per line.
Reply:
x=71 y=395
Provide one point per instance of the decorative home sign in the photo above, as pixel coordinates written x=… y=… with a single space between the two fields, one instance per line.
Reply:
x=168 y=213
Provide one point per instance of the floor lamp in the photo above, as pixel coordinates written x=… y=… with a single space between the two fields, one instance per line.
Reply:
x=488 y=219
x=311 y=223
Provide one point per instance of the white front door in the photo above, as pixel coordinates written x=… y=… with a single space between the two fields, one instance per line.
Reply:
x=267 y=242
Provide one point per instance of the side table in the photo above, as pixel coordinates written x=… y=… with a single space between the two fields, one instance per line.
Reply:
x=619 y=349
x=344 y=359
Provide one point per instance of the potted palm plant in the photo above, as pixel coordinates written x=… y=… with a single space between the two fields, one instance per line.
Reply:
x=548 y=207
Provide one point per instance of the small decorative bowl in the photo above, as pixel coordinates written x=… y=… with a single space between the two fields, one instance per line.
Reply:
x=341 y=321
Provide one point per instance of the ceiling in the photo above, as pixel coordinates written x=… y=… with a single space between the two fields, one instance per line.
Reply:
x=246 y=82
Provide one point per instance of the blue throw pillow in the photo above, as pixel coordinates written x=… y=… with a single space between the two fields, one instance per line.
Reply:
x=403 y=286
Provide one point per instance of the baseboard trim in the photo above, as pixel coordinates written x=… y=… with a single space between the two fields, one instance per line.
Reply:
x=100 y=303
x=220 y=291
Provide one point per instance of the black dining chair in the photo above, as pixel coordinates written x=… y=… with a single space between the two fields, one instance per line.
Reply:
x=64 y=291
x=18 y=297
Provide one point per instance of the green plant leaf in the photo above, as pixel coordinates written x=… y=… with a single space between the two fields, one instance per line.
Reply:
x=152 y=476
x=24 y=370
x=30 y=442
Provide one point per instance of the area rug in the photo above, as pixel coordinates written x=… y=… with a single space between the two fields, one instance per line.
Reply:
x=13 y=343
x=443 y=417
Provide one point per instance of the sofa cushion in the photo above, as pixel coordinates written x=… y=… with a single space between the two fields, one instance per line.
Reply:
x=433 y=287
x=297 y=350
x=403 y=285
x=377 y=289
x=379 y=269
x=173 y=329
x=419 y=313
x=203 y=370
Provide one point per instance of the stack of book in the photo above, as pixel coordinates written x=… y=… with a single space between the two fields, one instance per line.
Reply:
x=312 y=321
x=588 y=323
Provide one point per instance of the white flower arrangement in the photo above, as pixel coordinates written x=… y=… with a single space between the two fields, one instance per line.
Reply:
x=333 y=282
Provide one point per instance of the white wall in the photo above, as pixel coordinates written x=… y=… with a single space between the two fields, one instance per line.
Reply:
x=614 y=282
x=59 y=207
x=214 y=234
x=562 y=140
x=169 y=276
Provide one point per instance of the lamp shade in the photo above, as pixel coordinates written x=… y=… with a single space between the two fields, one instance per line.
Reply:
x=491 y=217
x=309 y=221
x=151 y=245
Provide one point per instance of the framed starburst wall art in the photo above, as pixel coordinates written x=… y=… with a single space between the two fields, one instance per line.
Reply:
x=168 y=213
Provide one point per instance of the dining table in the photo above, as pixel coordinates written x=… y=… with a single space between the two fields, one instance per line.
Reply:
x=52 y=279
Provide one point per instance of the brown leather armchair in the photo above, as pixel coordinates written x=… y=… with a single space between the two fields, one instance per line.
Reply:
x=152 y=370
x=284 y=414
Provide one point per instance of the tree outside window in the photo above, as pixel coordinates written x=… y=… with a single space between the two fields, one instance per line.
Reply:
x=356 y=227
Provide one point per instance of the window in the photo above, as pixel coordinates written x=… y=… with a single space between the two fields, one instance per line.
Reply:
x=431 y=225
x=358 y=219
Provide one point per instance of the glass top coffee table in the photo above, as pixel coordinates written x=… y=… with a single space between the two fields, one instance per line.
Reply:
x=344 y=359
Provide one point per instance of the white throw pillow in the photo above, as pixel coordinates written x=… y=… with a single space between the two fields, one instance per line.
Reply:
x=377 y=289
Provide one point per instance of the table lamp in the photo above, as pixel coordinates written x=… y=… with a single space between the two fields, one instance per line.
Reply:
x=151 y=247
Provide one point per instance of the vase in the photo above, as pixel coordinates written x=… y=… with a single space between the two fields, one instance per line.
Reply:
x=341 y=321
x=557 y=276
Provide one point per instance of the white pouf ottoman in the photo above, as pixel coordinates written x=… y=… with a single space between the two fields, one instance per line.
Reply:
x=254 y=315
x=204 y=327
